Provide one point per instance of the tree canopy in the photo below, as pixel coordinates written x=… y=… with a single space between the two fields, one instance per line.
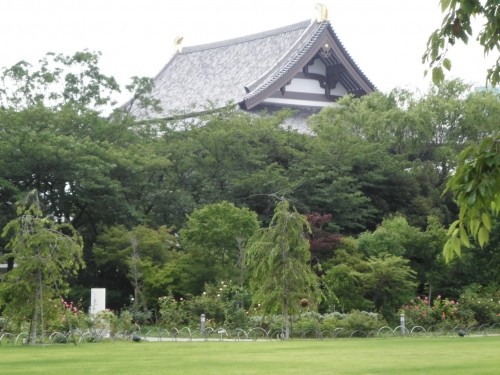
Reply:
x=166 y=207
x=456 y=26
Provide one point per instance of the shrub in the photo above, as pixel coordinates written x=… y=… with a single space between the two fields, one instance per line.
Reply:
x=172 y=311
x=223 y=305
x=331 y=321
x=3 y=323
x=139 y=316
x=124 y=322
x=307 y=322
x=362 y=321
x=442 y=312
x=479 y=305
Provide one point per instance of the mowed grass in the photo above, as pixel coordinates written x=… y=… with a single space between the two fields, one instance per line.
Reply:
x=470 y=355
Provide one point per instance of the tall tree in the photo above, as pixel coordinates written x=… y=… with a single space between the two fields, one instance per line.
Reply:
x=46 y=254
x=278 y=259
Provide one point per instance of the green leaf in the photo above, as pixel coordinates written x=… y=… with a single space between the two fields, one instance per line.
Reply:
x=451 y=248
x=474 y=227
x=464 y=237
x=495 y=204
x=486 y=221
x=447 y=64
x=452 y=227
x=483 y=236
x=437 y=75
x=445 y=4
x=472 y=198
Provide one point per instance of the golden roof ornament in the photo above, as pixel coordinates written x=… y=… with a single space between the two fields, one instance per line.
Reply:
x=322 y=12
x=178 y=44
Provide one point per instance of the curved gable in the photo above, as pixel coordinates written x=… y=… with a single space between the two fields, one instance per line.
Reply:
x=321 y=67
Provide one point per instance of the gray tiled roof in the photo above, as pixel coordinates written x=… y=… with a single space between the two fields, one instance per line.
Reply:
x=300 y=48
x=211 y=76
x=216 y=74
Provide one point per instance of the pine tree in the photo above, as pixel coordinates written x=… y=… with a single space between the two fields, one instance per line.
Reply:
x=278 y=260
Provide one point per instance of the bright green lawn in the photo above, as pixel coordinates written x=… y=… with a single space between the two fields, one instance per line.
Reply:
x=470 y=355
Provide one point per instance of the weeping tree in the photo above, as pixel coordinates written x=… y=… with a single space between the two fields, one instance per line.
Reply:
x=281 y=279
x=46 y=253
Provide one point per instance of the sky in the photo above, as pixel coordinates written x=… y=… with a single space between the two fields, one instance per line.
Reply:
x=386 y=38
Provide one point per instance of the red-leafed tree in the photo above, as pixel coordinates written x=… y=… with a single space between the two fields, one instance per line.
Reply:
x=322 y=242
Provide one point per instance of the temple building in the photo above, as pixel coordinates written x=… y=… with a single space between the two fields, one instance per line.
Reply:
x=303 y=66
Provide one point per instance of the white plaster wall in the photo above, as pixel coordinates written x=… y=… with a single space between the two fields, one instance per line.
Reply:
x=307 y=103
x=318 y=67
x=305 y=85
x=339 y=90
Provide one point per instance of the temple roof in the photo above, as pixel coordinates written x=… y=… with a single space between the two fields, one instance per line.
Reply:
x=247 y=70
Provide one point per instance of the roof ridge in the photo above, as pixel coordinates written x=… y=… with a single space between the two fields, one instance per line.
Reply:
x=289 y=62
x=255 y=84
x=246 y=38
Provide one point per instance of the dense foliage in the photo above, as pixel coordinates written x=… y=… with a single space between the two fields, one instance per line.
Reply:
x=165 y=209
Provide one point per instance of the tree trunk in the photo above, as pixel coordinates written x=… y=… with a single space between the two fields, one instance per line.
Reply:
x=34 y=323
x=286 y=319
x=135 y=272
x=286 y=309
x=38 y=299
x=241 y=260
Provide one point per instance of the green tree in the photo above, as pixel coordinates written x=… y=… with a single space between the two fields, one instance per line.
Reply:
x=476 y=186
x=92 y=171
x=456 y=26
x=278 y=260
x=219 y=233
x=343 y=279
x=46 y=254
x=394 y=236
x=389 y=282
x=58 y=80
x=137 y=259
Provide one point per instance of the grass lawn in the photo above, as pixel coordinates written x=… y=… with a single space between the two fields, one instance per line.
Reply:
x=470 y=355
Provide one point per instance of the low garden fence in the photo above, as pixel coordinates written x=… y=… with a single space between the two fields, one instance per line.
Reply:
x=252 y=334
